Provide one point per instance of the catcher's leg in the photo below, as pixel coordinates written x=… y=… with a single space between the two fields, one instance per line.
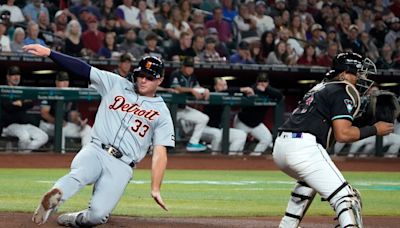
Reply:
x=301 y=198
x=346 y=201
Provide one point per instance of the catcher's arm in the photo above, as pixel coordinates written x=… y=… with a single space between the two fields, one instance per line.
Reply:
x=159 y=163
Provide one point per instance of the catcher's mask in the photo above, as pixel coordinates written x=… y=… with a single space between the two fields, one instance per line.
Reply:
x=355 y=64
x=150 y=67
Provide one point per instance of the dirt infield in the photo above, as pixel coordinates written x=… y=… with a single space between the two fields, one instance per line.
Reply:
x=197 y=161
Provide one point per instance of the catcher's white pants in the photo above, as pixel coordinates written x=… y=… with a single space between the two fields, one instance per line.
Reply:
x=261 y=133
x=306 y=160
x=29 y=136
x=237 y=138
x=194 y=117
x=69 y=130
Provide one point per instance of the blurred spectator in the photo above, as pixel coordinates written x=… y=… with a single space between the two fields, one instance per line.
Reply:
x=326 y=59
x=220 y=47
x=32 y=10
x=394 y=32
x=395 y=7
x=16 y=15
x=213 y=131
x=210 y=5
x=109 y=48
x=197 y=19
x=145 y=29
x=255 y=52
x=107 y=9
x=344 y=23
x=163 y=15
x=278 y=8
x=267 y=44
x=284 y=35
x=243 y=55
x=246 y=24
x=228 y=10
x=318 y=39
x=184 y=81
x=198 y=45
x=60 y=22
x=251 y=119
x=92 y=38
x=378 y=32
x=128 y=15
x=146 y=14
x=307 y=13
x=45 y=30
x=332 y=36
x=285 y=18
x=130 y=45
x=180 y=50
x=176 y=25
x=15 y=121
x=209 y=54
x=385 y=61
x=296 y=29
x=186 y=9
x=152 y=48
x=84 y=16
x=325 y=16
x=4 y=39
x=5 y=18
x=18 y=40
x=348 y=8
x=279 y=56
x=223 y=28
x=365 y=22
x=199 y=30
x=87 y=5
x=368 y=48
x=308 y=58
x=73 y=125
x=263 y=22
x=352 y=42
x=73 y=40
x=111 y=25
x=124 y=66
x=32 y=34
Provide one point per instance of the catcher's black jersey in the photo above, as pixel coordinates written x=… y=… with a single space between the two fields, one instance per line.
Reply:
x=324 y=103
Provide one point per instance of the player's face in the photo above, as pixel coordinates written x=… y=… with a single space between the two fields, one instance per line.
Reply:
x=13 y=80
x=220 y=86
x=147 y=86
x=62 y=84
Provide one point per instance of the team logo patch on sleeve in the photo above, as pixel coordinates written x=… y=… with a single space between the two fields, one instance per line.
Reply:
x=349 y=105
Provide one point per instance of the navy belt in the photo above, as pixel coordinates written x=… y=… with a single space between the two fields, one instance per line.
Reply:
x=116 y=153
x=294 y=135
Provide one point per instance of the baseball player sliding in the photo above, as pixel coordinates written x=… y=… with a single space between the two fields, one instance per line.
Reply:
x=326 y=112
x=129 y=120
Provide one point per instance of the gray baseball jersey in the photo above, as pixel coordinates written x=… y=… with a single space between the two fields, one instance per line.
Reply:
x=128 y=121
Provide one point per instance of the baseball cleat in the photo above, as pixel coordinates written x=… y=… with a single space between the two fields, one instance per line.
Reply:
x=47 y=205
x=68 y=219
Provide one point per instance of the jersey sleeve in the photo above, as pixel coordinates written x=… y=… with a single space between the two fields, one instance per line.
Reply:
x=164 y=132
x=102 y=81
x=342 y=105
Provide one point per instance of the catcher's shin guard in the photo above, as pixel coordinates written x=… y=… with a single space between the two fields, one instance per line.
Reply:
x=301 y=198
x=347 y=204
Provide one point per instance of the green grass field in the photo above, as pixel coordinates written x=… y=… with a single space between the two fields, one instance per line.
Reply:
x=201 y=193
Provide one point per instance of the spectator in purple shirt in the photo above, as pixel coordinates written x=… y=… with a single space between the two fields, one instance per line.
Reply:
x=243 y=55
x=223 y=27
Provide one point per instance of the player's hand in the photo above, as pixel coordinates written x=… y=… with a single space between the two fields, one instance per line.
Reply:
x=247 y=90
x=157 y=197
x=37 y=49
x=197 y=95
x=206 y=94
x=17 y=103
x=383 y=128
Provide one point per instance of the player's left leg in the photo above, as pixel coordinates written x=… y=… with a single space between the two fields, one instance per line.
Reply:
x=393 y=141
x=237 y=140
x=264 y=137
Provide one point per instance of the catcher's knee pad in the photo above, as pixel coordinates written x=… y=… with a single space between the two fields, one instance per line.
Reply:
x=301 y=198
x=346 y=201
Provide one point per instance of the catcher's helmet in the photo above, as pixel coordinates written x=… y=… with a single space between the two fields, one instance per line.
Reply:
x=151 y=67
x=355 y=64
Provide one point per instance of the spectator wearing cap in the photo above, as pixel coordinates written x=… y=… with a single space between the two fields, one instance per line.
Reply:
x=379 y=31
x=87 y=5
x=16 y=15
x=92 y=38
x=109 y=48
x=180 y=50
x=263 y=22
x=183 y=81
x=251 y=119
x=4 y=39
x=16 y=122
x=246 y=24
x=130 y=45
x=221 y=47
x=73 y=40
x=222 y=27
x=394 y=32
x=327 y=58
x=18 y=40
x=151 y=46
x=73 y=124
x=176 y=26
x=332 y=36
x=318 y=39
x=243 y=55
x=124 y=66
x=228 y=10
x=278 y=8
x=32 y=34
x=127 y=15
x=60 y=22
x=146 y=15
x=32 y=10
x=352 y=42
x=209 y=54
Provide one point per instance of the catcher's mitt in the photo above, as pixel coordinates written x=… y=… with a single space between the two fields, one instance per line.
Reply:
x=380 y=105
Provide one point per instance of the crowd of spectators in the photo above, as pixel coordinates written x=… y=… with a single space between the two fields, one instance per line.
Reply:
x=287 y=32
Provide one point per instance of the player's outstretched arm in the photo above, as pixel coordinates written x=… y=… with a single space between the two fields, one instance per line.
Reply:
x=69 y=63
x=159 y=163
